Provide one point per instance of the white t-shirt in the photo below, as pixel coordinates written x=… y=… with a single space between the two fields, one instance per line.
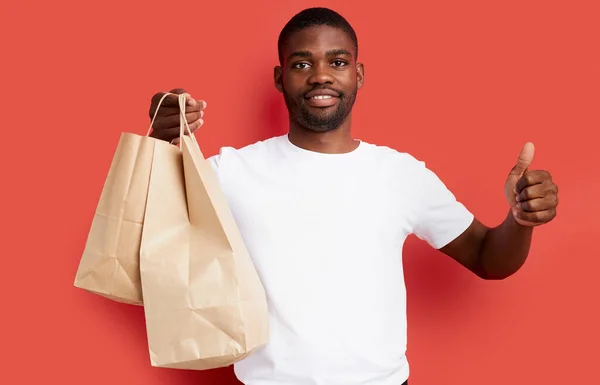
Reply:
x=326 y=232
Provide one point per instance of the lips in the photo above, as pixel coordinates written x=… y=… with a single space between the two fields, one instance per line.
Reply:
x=323 y=93
x=322 y=98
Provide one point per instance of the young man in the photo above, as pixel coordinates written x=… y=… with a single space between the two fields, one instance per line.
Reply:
x=325 y=216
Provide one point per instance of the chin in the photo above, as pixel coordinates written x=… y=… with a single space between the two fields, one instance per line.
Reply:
x=325 y=122
x=321 y=129
x=319 y=125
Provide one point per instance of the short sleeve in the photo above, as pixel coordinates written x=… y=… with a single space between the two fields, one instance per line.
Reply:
x=439 y=217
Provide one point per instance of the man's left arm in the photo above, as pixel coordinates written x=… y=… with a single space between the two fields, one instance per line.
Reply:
x=498 y=252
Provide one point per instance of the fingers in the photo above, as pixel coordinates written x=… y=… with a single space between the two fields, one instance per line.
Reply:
x=531 y=178
x=532 y=192
x=168 y=101
x=195 y=125
x=171 y=133
x=536 y=217
x=167 y=121
x=170 y=104
x=547 y=202
x=535 y=186
x=191 y=104
x=536 y=197
x=172 y=121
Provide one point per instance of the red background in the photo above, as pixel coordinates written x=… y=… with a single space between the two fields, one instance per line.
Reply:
x=460 y=84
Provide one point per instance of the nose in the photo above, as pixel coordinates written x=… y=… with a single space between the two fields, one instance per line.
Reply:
x=320 y=74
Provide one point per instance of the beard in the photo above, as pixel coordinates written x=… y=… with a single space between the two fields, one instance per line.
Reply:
x=319 y=119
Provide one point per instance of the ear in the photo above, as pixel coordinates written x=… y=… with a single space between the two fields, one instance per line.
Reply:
x=360 y=75
x=277 y=77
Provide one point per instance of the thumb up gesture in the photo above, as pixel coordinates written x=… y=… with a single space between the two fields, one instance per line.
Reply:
x=531 y=194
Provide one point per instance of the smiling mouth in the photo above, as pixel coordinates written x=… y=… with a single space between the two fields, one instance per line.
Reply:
x=322 y=101
x=320 y=97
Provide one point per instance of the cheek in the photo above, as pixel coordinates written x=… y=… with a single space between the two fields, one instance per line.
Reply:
x=293 y=84
x=349 y=78
x=348 y=84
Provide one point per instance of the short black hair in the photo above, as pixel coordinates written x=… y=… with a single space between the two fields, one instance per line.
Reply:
x=311 y=17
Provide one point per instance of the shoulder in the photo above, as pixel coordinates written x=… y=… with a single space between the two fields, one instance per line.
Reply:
x=259 y=151
x=398 y=161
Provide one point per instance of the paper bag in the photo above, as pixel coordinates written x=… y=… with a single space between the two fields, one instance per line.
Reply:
x=109 y=265
x=204 y=304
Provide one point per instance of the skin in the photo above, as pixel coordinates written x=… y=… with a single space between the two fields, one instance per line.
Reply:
x=323 y=57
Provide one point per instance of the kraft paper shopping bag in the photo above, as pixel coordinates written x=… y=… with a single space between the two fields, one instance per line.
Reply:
x=204 y=304
x=109 y=265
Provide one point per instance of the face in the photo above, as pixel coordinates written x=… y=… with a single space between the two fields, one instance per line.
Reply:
x=319 y=77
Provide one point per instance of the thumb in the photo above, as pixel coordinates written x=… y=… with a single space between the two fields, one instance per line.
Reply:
x=525 y=159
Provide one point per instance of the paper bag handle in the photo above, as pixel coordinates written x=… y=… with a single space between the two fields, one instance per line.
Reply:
x=182 y=120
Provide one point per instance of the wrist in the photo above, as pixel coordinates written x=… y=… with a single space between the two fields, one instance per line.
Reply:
x=514 y=225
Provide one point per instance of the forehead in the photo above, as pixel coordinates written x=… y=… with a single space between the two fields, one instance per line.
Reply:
x=318 y=40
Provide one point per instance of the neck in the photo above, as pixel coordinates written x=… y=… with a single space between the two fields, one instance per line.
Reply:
x=336 y=141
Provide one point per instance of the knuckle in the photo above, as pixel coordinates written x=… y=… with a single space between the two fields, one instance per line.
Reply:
x=523 y=216
x=156 y=97
x=535 y=216
x=553 y=202
x=193 y=125
x=550 y=189
x=192 y=117
x=154 y=103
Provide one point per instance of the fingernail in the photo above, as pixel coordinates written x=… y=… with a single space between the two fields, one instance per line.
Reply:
x=517 y=197
x=518 y=206
x=203 y=104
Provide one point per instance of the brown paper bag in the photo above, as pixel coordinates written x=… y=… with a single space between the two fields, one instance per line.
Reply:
x=109 y=265
x=204 y=304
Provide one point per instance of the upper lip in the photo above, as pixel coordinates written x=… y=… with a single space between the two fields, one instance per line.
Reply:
x=321 y=91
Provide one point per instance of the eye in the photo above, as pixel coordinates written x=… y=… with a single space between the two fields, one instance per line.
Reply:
x=339 y=63
x=300 y=66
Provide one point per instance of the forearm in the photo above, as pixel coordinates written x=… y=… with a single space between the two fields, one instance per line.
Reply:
x=504 y=249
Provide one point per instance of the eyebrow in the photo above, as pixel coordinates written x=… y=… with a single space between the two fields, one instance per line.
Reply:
x=331 y=52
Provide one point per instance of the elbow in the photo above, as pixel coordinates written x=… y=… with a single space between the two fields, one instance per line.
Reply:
x=495 y=277
x=498 y=272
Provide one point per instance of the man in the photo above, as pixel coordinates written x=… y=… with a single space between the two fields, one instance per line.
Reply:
x=325 y=216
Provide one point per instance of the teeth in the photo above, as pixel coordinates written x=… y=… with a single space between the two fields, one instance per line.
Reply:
x=321 y=97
